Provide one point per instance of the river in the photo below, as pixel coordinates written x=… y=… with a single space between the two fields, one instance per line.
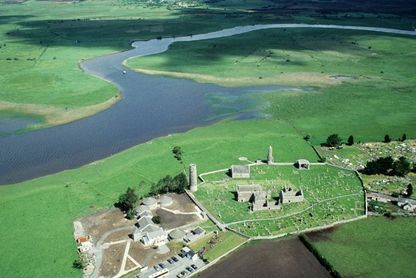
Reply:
x=152 y=106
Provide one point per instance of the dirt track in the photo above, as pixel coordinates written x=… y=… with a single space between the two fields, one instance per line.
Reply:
x=284 y=258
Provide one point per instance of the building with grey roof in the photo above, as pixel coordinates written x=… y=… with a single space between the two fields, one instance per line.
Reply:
x=240 y=171
x=148 y=233
x=194 y=235
x=303 y=164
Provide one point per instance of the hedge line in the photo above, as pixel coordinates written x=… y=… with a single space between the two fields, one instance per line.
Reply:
x=334 y=273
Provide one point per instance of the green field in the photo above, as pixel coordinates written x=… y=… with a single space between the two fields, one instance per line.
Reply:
x=374 y=247
x=330 y=194
x=37 y=215
x=224 y=242
x=348 y=79
x=41 y=50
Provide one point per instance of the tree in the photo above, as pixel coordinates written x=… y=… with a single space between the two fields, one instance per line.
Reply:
x=409 y=190
x=382 y=165
x=333 y=140
x=307 y=137
x=178 y=153
x=127 y=201
x=156 y=219
x=79 y=262
x=404 y=137
x=350 y=140
x=387 y=138
x=168 y=183
x=401 y=167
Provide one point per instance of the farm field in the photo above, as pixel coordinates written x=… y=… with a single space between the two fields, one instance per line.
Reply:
x=338 y=72
x=217 y=246
x=330 y=194
x=277 y=256
x=374 y=247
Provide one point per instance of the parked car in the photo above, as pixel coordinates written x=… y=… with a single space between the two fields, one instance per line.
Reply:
x=182 y=255
x=194 y=266
x=170 y=261
x=162 y=265
x=190 y=269
x=184 y=273
x=175 y=259
x=156 y=267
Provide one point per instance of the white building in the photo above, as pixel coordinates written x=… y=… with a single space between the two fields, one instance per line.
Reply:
x=149 y=233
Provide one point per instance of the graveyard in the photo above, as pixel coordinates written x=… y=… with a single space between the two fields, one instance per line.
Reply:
x=331 y=195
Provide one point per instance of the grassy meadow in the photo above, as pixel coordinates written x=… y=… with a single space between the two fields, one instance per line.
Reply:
x=350 y=82
x=37 y=215
x=373 y=247
x=40 y=50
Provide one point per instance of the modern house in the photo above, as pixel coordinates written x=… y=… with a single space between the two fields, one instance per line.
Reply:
x=148 y=233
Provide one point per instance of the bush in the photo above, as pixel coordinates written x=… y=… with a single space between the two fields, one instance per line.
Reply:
x=387 y=139
x=401 y=167
x=156 y=219
x=409 y=190
x=79 y=263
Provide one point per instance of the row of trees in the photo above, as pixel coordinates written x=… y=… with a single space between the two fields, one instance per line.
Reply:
x=334 y=140
x=129 y=200
x=388 y=166
x=176 y=184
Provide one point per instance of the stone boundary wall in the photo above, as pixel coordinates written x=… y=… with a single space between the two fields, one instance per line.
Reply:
x=311 y=229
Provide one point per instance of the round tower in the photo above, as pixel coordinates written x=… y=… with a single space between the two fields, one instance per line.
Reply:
x=270 y=155
x=193 y=178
